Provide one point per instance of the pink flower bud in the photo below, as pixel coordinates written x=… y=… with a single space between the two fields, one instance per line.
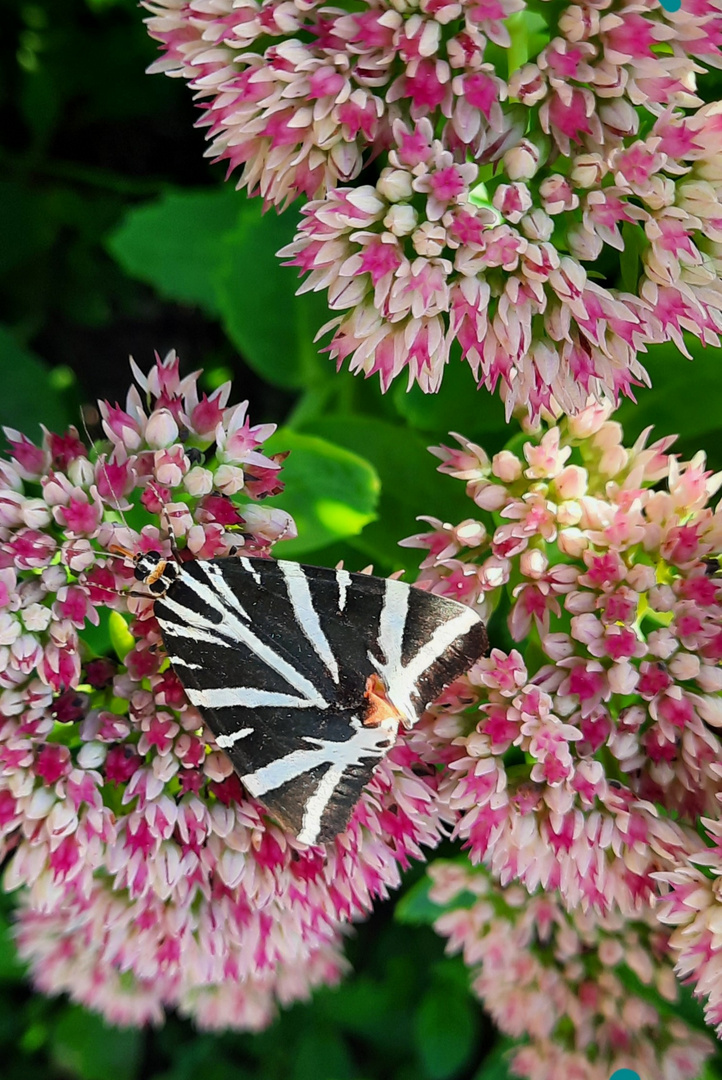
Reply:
x=506 y=466
x=512 y=201
x=557 y=195
x=571 y=483
x=170 y=466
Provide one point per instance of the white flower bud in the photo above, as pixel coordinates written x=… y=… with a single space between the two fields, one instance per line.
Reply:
x=36 y=513
x=584 y=244
x=401 y=220
x=229 y=479
x=41 y=803
x=522 y=161
x=588 y=170
x=91 y=755
x=81 y=472
x=198 y=481
x=429 y=239
x=709 y=678
x=684 y=667
x=36 y=617
x=9 y=628
x=269 y=523
x=395 y=185
x=537 y=225
x=709 y=708
x=11 y=509
x=161 y=429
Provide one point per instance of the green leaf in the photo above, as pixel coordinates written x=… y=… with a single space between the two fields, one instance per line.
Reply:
x=97 y=639
x=174 y=243
x=321 y=1054
x=458 y=406
x=84 y=1046
x=120 y=636
x=410 y=485
x=415 y=908
x=25 y=229
x=28 y=397
x=445 y=1029
x=11 y=970
x=630 y=258
x=330 y=492
x=686 y=398
x=495 y=1065
x=271 y=326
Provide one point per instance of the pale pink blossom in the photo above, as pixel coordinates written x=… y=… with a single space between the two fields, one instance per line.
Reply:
x=588 y=769
x=558 y=981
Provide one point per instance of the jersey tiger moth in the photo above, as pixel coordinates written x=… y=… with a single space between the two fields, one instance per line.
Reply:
x=304 y=674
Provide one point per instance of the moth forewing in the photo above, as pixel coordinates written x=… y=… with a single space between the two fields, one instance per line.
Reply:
x=303 y=674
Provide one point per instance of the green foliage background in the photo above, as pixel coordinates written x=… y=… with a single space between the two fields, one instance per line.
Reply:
x=117 y=238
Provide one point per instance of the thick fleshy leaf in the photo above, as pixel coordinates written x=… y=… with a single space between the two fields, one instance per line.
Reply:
x=32 y=394
x=495 y=1066
x=686 y=398
x=457 y=406
x=330 y=492
x=446 y=1023
x=83 y=1045
x=174 y=243
x=271 y=326
x=410 y=485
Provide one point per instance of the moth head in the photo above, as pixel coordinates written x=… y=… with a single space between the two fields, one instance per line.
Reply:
x=155 y=571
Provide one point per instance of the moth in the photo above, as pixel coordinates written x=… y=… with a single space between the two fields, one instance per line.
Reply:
x=305 y=674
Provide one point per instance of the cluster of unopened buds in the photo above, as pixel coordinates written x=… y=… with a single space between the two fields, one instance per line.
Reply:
x=525 y=216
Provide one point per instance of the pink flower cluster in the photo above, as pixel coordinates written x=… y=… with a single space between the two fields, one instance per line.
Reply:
x=693 y=906
x=149 y=878
x=544 y=217
x=583 y=764
x=559 y=981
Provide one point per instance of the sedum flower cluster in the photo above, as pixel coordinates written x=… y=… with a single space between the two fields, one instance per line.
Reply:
x=582 y=760
x=149 y=879
x=564 y=982
x=538 y=184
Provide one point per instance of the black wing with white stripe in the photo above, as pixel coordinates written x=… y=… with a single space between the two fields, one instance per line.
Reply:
x=279 y=657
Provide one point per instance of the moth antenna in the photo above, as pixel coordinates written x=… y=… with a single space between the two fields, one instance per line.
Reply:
x=104 y=467
x=163 y=511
